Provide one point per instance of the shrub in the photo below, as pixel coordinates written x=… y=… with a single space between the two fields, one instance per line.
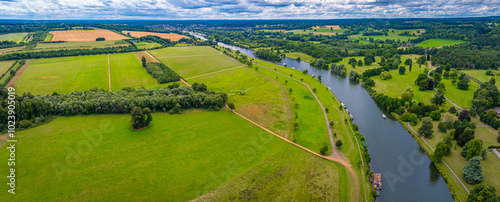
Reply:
x=385 y=75
x=25 y=123
x=338 y=143
x=231 y=106
x=331 y=124
x=323 y=149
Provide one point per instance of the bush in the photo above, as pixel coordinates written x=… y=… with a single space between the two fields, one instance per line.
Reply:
x=385 y=75
x=25 y=123
x=231 y=106
x=473 y=172
x=323 y=150
x=338 y=143
x=331 y=124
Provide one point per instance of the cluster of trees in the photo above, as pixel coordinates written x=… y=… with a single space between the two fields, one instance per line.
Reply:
x=11 y=72
x=268 y=54
x=161 y=72
x=29 y=107
x=482 y=193
x=67 y=52
x=100 y=39
x=338 y=69
x=154 y=39
x=140 y=117
x=486 y=97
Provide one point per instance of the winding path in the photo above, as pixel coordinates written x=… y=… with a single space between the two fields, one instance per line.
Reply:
x=441 y=159
x=429 y=76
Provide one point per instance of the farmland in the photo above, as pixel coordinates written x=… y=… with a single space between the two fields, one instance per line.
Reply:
x=16 y=37
x=4 y=65
x=171 y=36
x=79 y=45
x=392 y=34
x=127 y=71
x=432 y=43
x=234 y=152
x=319 y=31
x=85 y=35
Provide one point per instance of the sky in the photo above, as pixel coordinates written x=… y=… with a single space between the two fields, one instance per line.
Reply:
x=244 y=9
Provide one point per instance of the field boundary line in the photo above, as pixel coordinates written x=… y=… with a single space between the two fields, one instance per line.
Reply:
x=154 y=58
x=215 y=72
x=187 y=56
x=19 y=74
x=441 y=159
x=152 y=45
x=109 y=75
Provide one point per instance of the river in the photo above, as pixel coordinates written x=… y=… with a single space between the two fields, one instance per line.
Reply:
x=407 y=173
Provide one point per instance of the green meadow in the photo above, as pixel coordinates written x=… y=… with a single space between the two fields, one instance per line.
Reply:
x=64 y=75
x=194 y=60
x=304 y=57
x=5 y=65
x=16 y=37
x=432 y=43
x=77 y=45
x=392 y=34
x=481 y=75
x=189 y=154
x=127 y=71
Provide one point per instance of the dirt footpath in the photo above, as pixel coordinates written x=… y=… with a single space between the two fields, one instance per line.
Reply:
x=14 y=79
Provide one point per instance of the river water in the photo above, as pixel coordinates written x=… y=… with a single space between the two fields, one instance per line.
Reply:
x=407 y=173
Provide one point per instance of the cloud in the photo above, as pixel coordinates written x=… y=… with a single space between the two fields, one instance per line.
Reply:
x=243 y=9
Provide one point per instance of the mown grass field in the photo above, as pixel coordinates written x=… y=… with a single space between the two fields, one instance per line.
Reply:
x=432 y=43
x=481 y=75
x=303 y=57
x=64 y=75
x=147 y=45
x=194 y=60
x=178 y=157
x=391 y=35
x=127 y=71
x=16 y=37
x=462 y=98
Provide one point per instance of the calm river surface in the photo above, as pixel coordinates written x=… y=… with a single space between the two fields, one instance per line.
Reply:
x=407 y=172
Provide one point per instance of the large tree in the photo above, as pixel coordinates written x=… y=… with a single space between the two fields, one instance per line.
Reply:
x=140 y=117
x=426 y=128
x=473 y=172
x=483 y=193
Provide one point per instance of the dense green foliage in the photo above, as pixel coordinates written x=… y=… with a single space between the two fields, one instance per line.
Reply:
x=161 y=72
x=140 y=117
x=483 y=193
x=473 y=172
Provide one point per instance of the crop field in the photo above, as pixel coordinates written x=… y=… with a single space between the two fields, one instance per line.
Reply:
x=64 y=75
x=16 y=37
x=78 y=45
x=147 y=45
x=85 y=35
x=194 y=60
x=107 y=150
x=171 y=36
x=432 y=43
x=127 y=71
x=11 y=50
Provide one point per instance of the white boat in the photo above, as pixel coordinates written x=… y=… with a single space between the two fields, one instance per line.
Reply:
x=383 y=116
x=352 y=117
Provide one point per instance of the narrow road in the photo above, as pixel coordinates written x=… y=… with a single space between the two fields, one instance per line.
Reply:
x=152 y=45
x=441 y=159
x=496 y=152
x=109 y=75
x=152 y=56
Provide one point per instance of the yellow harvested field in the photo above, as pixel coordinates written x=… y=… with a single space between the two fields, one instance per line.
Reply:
x=327 y=26
x=171 y=36
x=85 y=35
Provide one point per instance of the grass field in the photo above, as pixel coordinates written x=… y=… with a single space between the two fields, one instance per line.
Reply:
x=194 y=60
x=10 y=50
x=127 y=71
x=432 y=43
x=78 y=45
x=172 y=159
x=481 y=75
x=391 y=35
x=319 y=31
x=462 y=98
x=147 y=45
x=49 y=37
x=359 y=69
x=5 y=65
x=304 y=57
x=16 y=37
x=64 y=75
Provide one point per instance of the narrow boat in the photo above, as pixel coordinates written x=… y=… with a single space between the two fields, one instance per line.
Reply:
x=383 y=116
